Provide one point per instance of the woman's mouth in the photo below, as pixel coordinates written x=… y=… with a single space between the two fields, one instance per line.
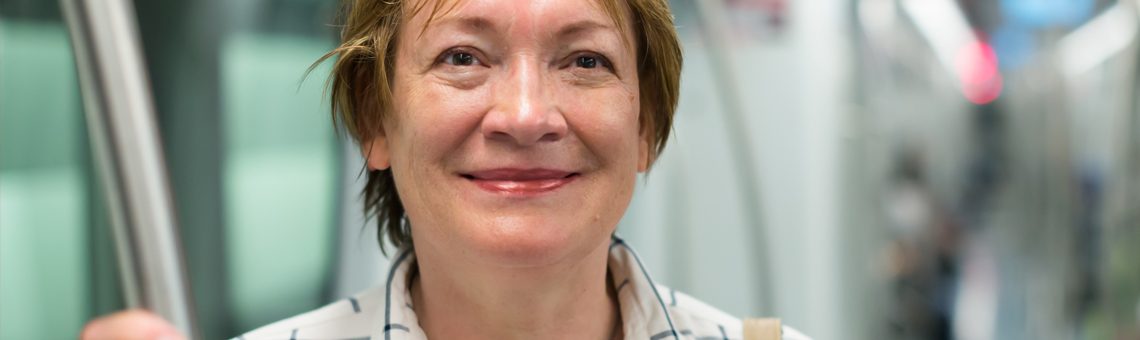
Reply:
x=514 y=181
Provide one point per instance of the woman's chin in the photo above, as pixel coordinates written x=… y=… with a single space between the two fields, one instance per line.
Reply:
x=525 y=243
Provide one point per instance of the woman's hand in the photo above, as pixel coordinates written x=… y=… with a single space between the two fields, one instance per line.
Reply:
x=135 y=324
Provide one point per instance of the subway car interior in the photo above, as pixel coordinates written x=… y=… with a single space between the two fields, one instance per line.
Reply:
x=863 y=169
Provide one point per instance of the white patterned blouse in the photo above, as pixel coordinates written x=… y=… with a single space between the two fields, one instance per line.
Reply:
x=648 y=311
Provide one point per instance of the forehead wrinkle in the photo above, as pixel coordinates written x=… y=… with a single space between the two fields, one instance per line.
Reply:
x=581 y=28
x=436 y=11
x=617 y=10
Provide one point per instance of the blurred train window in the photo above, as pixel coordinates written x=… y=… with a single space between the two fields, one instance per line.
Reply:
x=55 y=252
x=280 y=174
x=254 y=162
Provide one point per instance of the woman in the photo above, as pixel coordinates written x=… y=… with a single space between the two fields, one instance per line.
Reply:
x=503 y=139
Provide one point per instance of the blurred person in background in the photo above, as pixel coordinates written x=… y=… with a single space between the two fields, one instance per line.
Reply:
x=922 y=256
x=503 y=140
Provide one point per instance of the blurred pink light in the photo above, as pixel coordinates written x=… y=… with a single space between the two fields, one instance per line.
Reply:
x=978 y=72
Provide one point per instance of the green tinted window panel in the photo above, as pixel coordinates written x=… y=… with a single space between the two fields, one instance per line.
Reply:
x=44 y=252
x=279 y=173
x=39 y=99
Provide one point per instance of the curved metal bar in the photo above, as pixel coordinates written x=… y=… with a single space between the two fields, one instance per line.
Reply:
x=119 y=112
x=712 y=22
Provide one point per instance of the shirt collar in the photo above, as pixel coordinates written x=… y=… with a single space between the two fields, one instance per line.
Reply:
x=643 y=311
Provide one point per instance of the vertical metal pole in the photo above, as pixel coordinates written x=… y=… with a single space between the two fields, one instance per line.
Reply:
x=120 y=115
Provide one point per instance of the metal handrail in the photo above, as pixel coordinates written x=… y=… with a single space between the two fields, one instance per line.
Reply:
x=713 y=26
x=119 y=111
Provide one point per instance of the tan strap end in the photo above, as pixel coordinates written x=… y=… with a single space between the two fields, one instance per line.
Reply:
x=762 y=329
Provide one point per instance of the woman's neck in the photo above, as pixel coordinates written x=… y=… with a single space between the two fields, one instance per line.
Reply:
x=461 y=299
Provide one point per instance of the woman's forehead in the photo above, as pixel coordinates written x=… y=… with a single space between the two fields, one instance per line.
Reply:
x=577 y=14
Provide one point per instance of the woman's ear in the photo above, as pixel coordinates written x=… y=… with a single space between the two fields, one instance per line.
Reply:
x=376 y=152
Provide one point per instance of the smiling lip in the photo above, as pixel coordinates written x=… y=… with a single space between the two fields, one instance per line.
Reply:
x=520 y=181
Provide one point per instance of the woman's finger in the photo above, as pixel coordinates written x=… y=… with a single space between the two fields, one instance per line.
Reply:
x=135 y=324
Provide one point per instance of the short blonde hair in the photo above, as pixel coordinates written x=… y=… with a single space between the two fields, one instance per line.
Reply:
x=361 y=84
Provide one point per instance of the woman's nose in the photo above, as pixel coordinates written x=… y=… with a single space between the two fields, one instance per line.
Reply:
x=525 y=113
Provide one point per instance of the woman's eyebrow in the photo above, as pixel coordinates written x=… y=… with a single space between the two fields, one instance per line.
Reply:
x=471 y=24
x=466 y=24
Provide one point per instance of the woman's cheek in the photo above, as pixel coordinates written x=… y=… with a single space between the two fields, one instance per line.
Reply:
x=446 y=113
x=607 y=114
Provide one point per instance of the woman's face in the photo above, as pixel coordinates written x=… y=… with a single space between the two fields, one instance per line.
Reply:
x=515 y=133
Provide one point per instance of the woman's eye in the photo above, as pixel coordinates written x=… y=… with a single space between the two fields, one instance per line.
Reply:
x=460 y=59
x=591 y=61
x=587 y=62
